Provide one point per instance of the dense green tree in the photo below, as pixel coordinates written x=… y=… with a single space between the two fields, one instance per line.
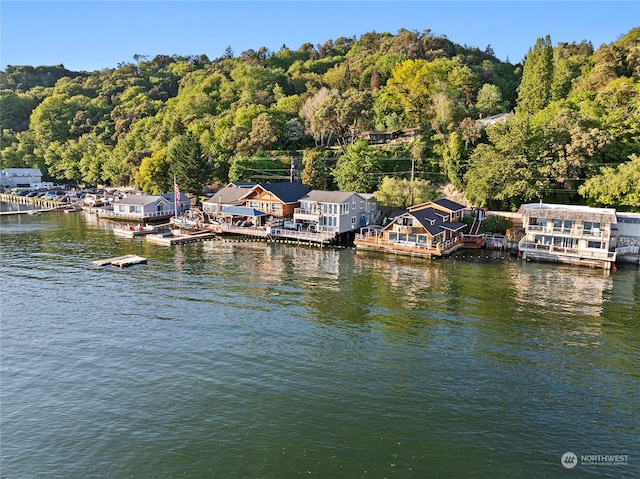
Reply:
x=315 y=173
x=154 y=174
x=617 y=187
x=401 y=193
x=489 y=101
x=15 y=109
x=359 y=169
x=534 y=92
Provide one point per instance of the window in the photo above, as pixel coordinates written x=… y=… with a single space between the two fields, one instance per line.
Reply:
x=353 y=221
x=353 y=205
x=562 y=225
x=595 y=244
x=362 y=205
x=344 y=208
x=393 y=236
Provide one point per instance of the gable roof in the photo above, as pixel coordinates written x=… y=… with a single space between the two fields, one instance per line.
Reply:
x=21 y=172
x=142 y=200
x=432 y=220
x=442 y=202
x=285 y=192
x=229 y=195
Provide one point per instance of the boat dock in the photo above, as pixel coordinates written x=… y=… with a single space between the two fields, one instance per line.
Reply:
x=171 y=238
x=121 y=261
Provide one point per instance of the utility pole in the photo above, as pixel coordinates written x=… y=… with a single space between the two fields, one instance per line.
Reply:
x=413 y=169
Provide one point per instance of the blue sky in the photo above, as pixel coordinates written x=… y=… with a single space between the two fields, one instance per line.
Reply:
x=93 y=35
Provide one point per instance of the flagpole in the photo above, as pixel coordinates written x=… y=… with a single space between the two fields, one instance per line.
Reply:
x=175 y=197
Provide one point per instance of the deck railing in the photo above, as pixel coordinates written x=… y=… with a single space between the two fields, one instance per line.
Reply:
x=529 y=247
x=434 y=248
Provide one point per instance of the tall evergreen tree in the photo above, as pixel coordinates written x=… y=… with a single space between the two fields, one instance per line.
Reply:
x=191 y=167
x=534 y=92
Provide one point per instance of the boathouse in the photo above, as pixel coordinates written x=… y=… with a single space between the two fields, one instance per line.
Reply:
x=568 y=234
x=20 y=177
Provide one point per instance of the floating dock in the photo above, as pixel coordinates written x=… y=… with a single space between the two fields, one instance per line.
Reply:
x=121 y=261
x=171 y=238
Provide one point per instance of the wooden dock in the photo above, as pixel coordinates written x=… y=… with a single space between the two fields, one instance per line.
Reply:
x=121 y=261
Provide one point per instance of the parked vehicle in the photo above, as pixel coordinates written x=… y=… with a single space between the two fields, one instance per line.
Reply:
x=55 y=195
x=93 y=199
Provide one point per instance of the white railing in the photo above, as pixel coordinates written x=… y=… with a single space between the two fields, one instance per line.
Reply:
x=529 y=247
x=628 y=250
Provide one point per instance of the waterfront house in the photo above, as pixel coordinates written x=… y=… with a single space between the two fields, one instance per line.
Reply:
x=335 y=211
x=568 y=234
x=20 y=177
x=429 y=229
x=147 y=207
x=229 y=196
x=275 y=199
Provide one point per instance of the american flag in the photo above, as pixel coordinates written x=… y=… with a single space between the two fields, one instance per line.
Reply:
x=176 y=191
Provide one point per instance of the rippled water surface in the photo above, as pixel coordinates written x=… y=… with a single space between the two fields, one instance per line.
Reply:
x=255 y=360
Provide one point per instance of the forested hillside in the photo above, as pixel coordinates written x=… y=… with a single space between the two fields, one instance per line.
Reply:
x=572 y=133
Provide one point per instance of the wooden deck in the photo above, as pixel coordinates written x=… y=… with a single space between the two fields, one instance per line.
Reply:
x=373 y=243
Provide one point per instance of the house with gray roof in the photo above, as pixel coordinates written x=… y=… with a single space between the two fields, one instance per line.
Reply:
x=336 y=211
x=429 y=229
x=229 y=196
x=276 y=199
x=147 y=207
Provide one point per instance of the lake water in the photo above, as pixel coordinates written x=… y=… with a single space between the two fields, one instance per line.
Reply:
x=256 y=360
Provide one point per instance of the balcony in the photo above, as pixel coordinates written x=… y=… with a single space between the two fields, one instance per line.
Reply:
x=300 y=214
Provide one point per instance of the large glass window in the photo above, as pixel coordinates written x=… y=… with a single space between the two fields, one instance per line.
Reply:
x=393 y=236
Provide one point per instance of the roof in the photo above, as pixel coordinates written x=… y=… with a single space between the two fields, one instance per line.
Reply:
x=229 y=195
x=432 y=220
x=322 y=196
x=572 y=212
x=442 y=202
x=450 y=205
x=184 y=199
x=453 y=225
x=21 y=172
x=141 y=200
x=285 y=192
x=242 y=211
